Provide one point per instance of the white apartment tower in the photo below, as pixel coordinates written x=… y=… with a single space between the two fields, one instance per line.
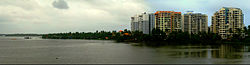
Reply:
x=143 y=22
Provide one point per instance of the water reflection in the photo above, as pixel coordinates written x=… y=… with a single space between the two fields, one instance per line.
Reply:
x=224 y=51
x=228 y=52
x=106 y=52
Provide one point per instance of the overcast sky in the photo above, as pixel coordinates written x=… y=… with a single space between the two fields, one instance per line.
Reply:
x=51 y=16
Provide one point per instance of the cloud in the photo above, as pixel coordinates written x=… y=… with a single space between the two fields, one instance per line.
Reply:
x=60 y=4
x=48 y=16
x=82 y=16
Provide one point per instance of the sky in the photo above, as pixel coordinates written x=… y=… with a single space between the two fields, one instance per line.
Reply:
x=55 y=16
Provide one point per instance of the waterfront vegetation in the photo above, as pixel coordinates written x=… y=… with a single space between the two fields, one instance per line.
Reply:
x=155 y=36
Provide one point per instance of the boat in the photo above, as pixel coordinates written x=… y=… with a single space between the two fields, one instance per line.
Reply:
x=27 y=37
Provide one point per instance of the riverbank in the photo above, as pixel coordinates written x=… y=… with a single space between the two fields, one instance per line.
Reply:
x=166 y=43
x=155 y=36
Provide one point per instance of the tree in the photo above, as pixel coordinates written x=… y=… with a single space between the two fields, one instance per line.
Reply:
x=157 y=32
x=230 y=30
x=245 y=29
x=248 y=27
x=248 y=30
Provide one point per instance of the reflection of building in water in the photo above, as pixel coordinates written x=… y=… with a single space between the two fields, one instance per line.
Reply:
x=191 y=51
x=191 y=54
x=222 y=51
x=228 y=51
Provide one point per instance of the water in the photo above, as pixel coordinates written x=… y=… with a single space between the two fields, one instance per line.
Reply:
x=42 y=51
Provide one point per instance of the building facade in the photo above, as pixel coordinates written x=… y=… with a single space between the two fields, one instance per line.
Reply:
x=168 y=21
x=195 y=23
x=134 y=23
x=151 y=22
x=227 y=21
x=143 y=22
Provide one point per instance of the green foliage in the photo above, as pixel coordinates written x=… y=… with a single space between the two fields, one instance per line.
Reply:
x=78 y=35
x=156 y=36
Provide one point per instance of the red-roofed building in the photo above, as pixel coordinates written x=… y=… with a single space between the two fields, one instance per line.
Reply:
x=168 y=21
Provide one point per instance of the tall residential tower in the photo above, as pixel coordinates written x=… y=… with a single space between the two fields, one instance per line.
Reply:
x=168 y=21
x=227 y=21
x=194 y=22
x=143 y=22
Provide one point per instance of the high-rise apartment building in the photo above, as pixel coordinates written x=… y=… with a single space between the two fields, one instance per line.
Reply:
x=143 y=22
x=151 y=22
x=194 y=22
x=134 y=23
x=168 y=21
x=227 y=21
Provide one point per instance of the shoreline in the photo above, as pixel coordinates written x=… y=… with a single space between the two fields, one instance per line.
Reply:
x=163 y=43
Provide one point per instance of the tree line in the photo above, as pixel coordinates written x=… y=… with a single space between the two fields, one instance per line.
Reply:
x=155 y=36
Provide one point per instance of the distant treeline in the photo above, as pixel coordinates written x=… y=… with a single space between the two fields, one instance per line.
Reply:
x=156 y=36
x=80 y=35
x=21 y=34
